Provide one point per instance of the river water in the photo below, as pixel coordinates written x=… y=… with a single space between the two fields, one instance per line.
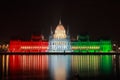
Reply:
x=59 y=67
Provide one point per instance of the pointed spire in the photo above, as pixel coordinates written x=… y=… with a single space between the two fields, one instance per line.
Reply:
x=60 y=21
x=67 y=29
x=51 y=30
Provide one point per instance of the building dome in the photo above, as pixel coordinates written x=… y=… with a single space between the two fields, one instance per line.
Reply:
x=60 y=27
x=60 y=31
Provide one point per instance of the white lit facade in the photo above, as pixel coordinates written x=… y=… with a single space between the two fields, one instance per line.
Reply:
x=60 y=40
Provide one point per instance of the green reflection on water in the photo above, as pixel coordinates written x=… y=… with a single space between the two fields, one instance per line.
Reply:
x=106 y=64
x=91 y=65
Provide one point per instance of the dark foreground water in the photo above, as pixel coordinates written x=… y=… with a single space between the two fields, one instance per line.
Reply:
x=59 y=67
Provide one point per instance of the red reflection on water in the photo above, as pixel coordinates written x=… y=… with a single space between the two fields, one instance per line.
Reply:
x=28 y=65
x=14 y=64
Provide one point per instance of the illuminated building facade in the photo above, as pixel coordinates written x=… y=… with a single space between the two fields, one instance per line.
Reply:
x=37 y=44
x=59 y=41
x=85 y=45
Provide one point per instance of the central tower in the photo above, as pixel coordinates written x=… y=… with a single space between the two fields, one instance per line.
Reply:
x=60 y=40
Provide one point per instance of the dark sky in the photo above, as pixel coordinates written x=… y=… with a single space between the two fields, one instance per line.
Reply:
x=95 y=17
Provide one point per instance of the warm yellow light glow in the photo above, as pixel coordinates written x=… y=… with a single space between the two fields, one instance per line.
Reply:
x=114 y=44
x=87 y=65
x=7 y=62
x=60 y=32
x=3 y=64
x=119 y=48
x=0 y=46
x=60 y=73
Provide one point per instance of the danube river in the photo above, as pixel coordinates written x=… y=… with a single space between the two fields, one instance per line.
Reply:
x=59 y=67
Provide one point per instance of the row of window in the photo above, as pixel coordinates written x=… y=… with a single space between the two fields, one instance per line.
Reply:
x=86 y=47
x=91 y=43
x=59 y=43
x=33 y=47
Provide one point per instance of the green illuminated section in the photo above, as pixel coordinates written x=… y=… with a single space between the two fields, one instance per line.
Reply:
x=85 y=46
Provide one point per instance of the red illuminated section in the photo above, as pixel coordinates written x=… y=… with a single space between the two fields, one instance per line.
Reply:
x=28 y=46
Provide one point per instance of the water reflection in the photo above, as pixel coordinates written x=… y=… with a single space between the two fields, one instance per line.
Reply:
x=92 y=65
x=85 y=65
x=58 y=67
x=25 y=66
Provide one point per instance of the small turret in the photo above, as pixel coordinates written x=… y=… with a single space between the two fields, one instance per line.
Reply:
x=68 y=30
x=51 y=31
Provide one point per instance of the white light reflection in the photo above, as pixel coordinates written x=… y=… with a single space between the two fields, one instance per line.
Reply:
x=59 y=66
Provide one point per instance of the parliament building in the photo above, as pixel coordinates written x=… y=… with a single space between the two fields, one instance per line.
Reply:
x=60 y=42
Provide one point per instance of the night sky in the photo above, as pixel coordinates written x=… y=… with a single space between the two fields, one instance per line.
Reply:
x=98 y=18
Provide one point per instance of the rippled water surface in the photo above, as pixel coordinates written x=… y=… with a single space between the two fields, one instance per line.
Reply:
x=59 y=67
